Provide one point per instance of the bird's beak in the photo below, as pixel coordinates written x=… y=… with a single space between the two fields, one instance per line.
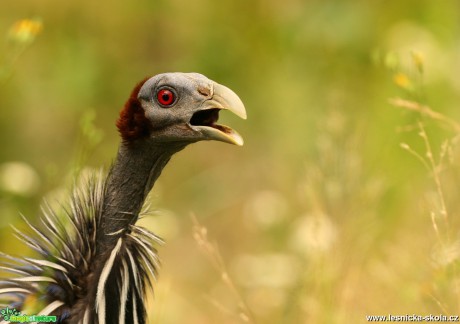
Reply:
x=228 y=100
x=205 y=120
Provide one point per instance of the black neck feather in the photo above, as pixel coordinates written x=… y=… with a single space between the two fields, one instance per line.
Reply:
x=137 y=167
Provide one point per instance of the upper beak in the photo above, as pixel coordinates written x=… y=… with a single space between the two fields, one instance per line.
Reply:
x=228 y=100
x=205 y=121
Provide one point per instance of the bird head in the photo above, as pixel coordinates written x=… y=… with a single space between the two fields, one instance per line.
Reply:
x=179 y=107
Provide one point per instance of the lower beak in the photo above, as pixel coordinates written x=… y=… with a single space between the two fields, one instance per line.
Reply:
x=223 y=99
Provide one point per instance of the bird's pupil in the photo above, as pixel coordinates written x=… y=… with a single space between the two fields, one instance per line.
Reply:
x=166 y=96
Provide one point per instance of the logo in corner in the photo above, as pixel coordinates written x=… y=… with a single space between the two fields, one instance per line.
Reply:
x=8 y=312
x=13 y=316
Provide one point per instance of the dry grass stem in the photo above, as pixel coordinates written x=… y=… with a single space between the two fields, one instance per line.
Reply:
x=439 y=303
x=436 y=176
x=416 y=155
x=435 y=169
x=426 y=111
x=211 y=251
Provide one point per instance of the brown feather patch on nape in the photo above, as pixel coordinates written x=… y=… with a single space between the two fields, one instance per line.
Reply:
x=132 y=123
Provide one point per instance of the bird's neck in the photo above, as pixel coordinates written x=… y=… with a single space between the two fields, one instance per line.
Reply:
x=130 y=180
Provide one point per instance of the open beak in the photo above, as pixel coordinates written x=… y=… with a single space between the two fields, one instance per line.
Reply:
x=205 y=120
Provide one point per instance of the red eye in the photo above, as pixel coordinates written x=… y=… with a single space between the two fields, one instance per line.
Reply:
x=165 y=97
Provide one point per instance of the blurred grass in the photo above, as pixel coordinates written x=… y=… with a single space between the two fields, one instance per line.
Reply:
x=329 y=219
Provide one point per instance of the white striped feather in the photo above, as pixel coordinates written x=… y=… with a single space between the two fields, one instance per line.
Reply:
x=71 y=249
x=47 y=263
x=53 y=265
x=135 y=318
x=39 y=233
x=86 y=317
x=35 y=279
x=51 y=307
x=101 y=310
x=148 y=250
x=150 y=235
x=105 y=274
x=124 y=292
x=14 y=290
x=74 y=224
x=28 y=241
x=14 y=270
x=50 y=226
x=144 y=259
x=134 y=271
x=67 y=262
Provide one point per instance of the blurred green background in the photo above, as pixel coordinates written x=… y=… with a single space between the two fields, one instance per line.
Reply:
x=322 y=216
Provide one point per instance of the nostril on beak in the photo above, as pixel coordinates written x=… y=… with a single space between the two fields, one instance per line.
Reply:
x=205 y=90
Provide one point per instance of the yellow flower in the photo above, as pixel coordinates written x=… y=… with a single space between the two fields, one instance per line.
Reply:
x=418 y=59
x=25 y=30
x=402 y=81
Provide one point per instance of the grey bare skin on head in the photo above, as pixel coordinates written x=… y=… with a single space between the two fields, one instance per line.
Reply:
x=98 y=271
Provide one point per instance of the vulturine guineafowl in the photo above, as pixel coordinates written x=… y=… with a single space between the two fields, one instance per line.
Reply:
x=95 y=264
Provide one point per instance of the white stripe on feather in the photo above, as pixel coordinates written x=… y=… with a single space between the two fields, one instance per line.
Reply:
x=149 y=268
x=147 y=245
x=116 y=232
x=35 y=279
x=14 y=290
x=13 y=270
x=135 y=319
x=124 y=293
x=73 y=221
x=149 y=252
x=66 y=262
x=47 y=264
x=39 y=233
x=57 y=267
x=149 y=234
x=104 y=275
x=101 y=311
x=30 y=242
x=86 y=317
x=51 y=226
x=51 y=307
x=134 y=270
